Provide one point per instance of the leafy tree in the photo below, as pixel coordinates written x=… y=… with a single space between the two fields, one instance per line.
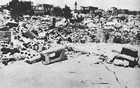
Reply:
x=26 y=8
x=57 y=11
x=67 y=12
x=19 y=8
x=14 y=8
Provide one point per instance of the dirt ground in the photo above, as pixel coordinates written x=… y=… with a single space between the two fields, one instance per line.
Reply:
x=79 y=71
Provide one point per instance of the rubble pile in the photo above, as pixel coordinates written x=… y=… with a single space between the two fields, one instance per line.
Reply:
x=35 y=38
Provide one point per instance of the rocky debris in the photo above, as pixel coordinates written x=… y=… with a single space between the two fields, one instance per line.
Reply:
x=95 y=50
x=128 y=57
x=94 y=46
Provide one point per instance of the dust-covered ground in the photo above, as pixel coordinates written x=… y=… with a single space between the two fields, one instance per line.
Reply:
x=79 y=71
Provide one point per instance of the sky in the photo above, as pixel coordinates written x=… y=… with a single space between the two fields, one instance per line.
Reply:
x=102 y=4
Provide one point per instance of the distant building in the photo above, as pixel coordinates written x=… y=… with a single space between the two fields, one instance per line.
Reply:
x=3 y=6
x=138 y=12
x=113 y=10
x=75 y=6
x=88 y=9
x=41 y=9
x=126 y=11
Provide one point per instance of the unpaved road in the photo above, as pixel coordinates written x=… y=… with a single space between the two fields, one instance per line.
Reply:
x=76 y=72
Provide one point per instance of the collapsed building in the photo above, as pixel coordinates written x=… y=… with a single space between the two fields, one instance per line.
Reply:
x=45 y=38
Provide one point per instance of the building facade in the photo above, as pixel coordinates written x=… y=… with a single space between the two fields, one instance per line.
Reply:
x=41 y=9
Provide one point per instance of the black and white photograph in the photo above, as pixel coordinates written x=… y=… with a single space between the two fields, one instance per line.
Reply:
x=69 y=43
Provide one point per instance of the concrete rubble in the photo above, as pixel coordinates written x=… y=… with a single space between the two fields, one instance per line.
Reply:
x=99 y=53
